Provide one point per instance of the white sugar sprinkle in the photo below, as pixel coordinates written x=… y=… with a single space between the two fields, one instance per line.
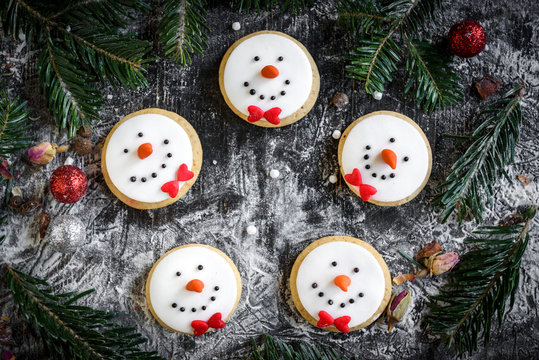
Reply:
x=332 y=179
x=274 y=173
x=251 y=230
x=214 y=162
x=377 y=95
x=236 y=26
x=336 y=134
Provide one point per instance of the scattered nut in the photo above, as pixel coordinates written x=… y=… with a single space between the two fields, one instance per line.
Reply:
x=83 y=146
x=15 y=202
x=44 y=221
x=524 y=180
x=340 y=100
x=30 y=205
x=85 y=131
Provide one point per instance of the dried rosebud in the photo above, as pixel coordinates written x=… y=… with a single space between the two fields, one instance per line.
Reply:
x=4 y=169
x=8 y=355
x=83 y=146
x=487 y=86
x=85 y=131
x=30 y=205
x=428 y=250
x=44 y=221
x=442 y=263
x=398 y=305
x=15 y=202
x=42 y=154
x=340 y=100
x=402 y=278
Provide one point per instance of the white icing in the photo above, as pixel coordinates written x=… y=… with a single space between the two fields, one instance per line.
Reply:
x=376 y=131
x=167 y=288
x=317 y=268
x=241 y=67
x=336 y=134
x=155 y=129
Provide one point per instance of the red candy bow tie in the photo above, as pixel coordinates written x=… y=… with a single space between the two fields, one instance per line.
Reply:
x=172 y=187
x=256 y=113
x=200 y=327
x=341 y=323
x=365 y=191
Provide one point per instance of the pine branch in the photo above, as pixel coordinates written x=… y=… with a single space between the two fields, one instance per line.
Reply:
x=3 y=219
x=431 y=81
x=481 y=285
x=183 y=29
x=420 y=13
x=13 y=125
x=475 y=173
x=72 y=331
x=275 y=349
x=361 y=17
x=82 y=43
x=293 y=6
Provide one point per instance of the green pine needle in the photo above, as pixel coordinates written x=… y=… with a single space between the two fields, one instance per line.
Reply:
x=81 y=45
x=275 y=349
x=72 y=331
x=481 y=286
x=183 y=29
x=293 y=6
x=374 y=26
x=2 y=221
x=13 y=125
x=431 y=82
x=492 y=147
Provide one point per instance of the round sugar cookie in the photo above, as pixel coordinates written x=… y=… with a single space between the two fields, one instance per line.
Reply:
x=269 y=79
x=193 y=289
x=385 y=158
x=151 y=158
x=340 y=283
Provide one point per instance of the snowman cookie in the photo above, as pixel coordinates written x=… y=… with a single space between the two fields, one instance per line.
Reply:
x=385 y=158
x=269 y=79
x=193 y=289
x=151 y=158
x=340 y=283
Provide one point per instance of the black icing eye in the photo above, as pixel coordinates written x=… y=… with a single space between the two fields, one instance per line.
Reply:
x=166 y=141
x=392 y=140
x=280 y=58
x=361 y=295
x=356 y=270
x=178 y=273
x=174 y=305
x=368 y=147
x=194 y=310
x=391 y=175
x=140 y=134
x=383 y=177
x=261 y=97
x=256 y=58
x=182 y=309
x=366 y=157
x=169 y=155
x=367 y=166
x=272 y=98
x=287 y=82
x=133 y=179
x=216 y=288
x=143 y=179
x=334 y=263
x=212 y=298
x=343 y=305
x=320 y=294
x=203 y=308
x=163 y=165
x=252 y=91
x=283 y=93
x=126 y=151
x=406 y=158
x=351 y=301
x=154 y=175
x=373 y=174
x=314 y=285
x=200 y=267
x=330 y=302
x=246 y=84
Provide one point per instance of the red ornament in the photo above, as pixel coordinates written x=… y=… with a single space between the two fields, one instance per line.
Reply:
x=68 y=184
x=467 y=38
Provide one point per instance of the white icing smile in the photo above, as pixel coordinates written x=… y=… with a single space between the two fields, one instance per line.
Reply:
x=377 y=144
x=192 y=283
x=267 y=71
x=141 y=178
x=343 y=279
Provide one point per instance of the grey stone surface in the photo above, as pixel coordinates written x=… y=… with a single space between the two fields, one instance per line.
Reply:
x=234 y=190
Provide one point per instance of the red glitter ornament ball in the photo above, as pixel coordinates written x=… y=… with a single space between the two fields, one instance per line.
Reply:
x=467 y=38
x=68 y=184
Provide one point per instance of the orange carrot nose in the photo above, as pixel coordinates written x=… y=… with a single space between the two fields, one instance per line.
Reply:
x=145 y=150
x=270 y=72
x=195 y=285
x=343 y=282
x=390 y=158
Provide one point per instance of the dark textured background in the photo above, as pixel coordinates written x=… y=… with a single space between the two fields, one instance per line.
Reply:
x=234 y=190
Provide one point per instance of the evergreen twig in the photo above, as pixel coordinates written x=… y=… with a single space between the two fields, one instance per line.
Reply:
x=80 y=45
x=481 y=285
x=475 y=173
x=13 y=125
x=275 y=349
x=183 y=29
x=294 y=6
x=374 y=26
x=72 y=331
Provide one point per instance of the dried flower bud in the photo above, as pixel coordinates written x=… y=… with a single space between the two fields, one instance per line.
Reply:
x=487 y=86
x=15 y=202
x=8 y=355
x=42 y=154
x=83 y=146
x=402 y=278
x=442 y=263
x=85 y=131
x=4 y=169
x=30 y=205
x=428 y=250
x=398 y=305
x=62 y=149
x=44 y=221
x=340 y=100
